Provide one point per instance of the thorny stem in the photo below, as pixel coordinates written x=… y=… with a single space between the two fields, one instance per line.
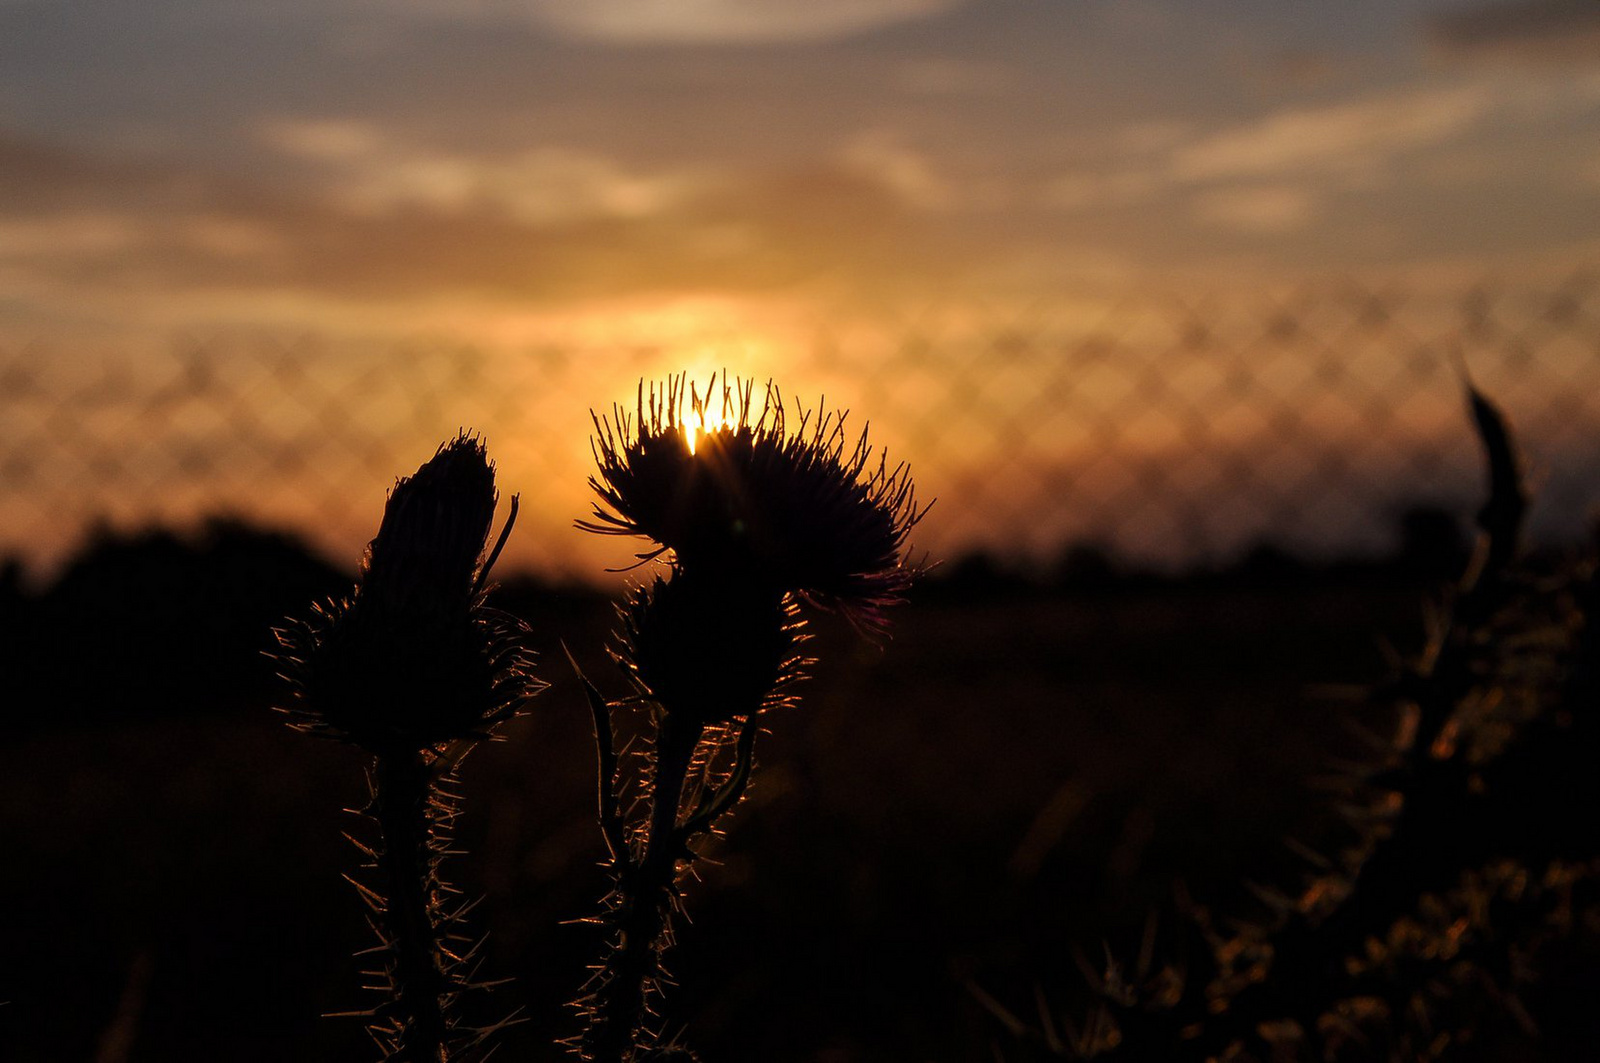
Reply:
x=643 y=917
x=612 y=827
x=1308 y=955
x=1434 y=789
x=407 y=863
x=714 y=804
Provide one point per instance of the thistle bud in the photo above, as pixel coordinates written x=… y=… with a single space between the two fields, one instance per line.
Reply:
x=424 y=560
x=413 y=658
x=708 y=649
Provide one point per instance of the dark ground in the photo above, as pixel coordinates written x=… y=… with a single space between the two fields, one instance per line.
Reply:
x=1018 y=773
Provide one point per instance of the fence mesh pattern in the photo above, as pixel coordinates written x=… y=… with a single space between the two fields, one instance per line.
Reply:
x=1170 y=429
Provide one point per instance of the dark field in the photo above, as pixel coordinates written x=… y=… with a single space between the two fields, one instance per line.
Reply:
x=1016 y=775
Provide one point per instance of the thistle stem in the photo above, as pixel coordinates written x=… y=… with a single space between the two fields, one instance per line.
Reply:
x=408 y=862
x=643 y=917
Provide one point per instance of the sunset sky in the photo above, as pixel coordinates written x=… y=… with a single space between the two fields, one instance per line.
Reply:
x=507 y=173
x=360 y=164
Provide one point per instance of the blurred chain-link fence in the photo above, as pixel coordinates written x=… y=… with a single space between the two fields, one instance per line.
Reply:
x=1170 y=429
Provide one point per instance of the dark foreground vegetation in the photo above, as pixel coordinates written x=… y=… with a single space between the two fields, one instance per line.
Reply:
x=941 y=837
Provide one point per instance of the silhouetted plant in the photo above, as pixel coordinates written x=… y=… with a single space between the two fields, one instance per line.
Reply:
x=414 y=668
x=750 y=517
x=1476 y=833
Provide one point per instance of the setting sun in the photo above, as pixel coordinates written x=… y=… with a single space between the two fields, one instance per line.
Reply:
x=703 y=415
x=702 y=422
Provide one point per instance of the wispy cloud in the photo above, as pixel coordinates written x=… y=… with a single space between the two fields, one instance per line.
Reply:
x=1092 y=190
x=1266 y=210
x=1263 y=170
x=324 y=139
x=161 y=241
x=881 y=156
x=1285 y=174
x=725 y=21
x=1349 y=137
x=374 y=173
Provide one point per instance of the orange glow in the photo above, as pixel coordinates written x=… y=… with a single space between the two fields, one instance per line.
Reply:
x=702 y=418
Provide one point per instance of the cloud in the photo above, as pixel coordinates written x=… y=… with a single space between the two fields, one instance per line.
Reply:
x=155 y=243
x=1536 y=30
x=1264 y=210
x=881 y=157
x=726 y=21
x=953 y=77
x=324 y=139
x=373 y=173
x=537 y=187
x=1349 y=137
x=1256 y=163
x=1095 y=191
x=67 y=235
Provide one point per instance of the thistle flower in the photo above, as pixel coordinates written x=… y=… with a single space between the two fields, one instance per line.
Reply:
x=708 y=649
x=739 y=494
x=410 y=661
x=413 y=657
x=753 y=515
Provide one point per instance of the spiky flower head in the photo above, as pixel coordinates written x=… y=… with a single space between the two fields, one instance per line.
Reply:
x=708 y=649
x=430 y=545
x=747 y=495
x=413 y=658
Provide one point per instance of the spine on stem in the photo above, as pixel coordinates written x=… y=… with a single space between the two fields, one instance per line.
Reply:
x=414 y=668
x=750 y=512
x=408 y=862
x=619 y=1010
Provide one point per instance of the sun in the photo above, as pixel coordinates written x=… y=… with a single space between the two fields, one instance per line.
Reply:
x=701 y=422
x=704 y=414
